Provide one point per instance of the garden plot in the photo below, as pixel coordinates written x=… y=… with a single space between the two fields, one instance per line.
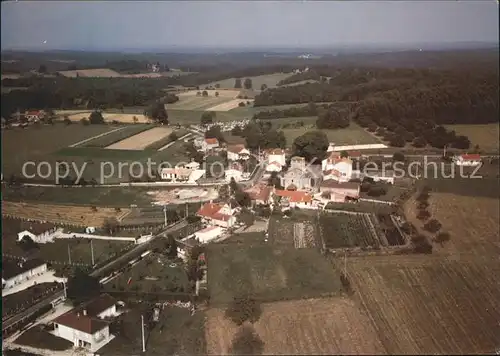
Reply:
x=347 y=230
x=141 y=140
x=300 y=234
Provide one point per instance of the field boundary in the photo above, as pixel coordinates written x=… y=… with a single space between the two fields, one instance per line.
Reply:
x=97 y=136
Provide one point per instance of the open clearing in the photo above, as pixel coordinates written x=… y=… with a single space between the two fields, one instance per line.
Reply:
x=228 y=105
x=141 y=140
x=351 y=135
x=424 y=304
x=329 y=326
x=110 y=117
x=269 y=79
x=191 y=101
x=61 y=214
x=268 y=272
x=485 y=136
x=97 y=73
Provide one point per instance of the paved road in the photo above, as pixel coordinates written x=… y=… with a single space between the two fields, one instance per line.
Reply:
x=130 y=255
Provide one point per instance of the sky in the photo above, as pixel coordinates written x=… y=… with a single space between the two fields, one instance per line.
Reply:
x=240 y=24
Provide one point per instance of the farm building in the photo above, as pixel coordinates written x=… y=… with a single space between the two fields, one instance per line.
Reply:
x=17 y=272
x=217 y=214
x=237 y=152
x=337 y=192
x=467 y=160
x=84 y=326
x=208 y=234
x=259 y=194
x=39 y=232
x=294 y=199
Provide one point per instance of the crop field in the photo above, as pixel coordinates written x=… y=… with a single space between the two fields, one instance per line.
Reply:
x=38 y=143
x=472 y=222
x=300 y=234
x=190 y=101
x=142 y=139
x=176 y=333
x=352 y=135
x=115 y=136
x=268 y=272
x=347 y=230
x=154 y=273
x=430 y=304
x=61 y=214
x=269 y=79
x=328 y=326
x=99 y=196
x=108 y=116
x=485 y=136
x=88 y=73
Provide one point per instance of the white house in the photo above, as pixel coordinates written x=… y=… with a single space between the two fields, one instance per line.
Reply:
x=209 y=144
x=274 y=167
x=39 y=232
x=233 y=173
x=175 y=174
x=276 y=155
x=193 y=165
x=337 y=168
x=217 y=214
x=208 y=234
x=334 y=191
x=237 y=152
x=17 y=272
x=467 y=160
x=85 y=326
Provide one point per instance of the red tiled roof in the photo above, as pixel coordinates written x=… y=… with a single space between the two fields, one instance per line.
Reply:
x=294 y=196
x=211 y=211
x=34 y=112
x=332 y=172
x=354 y=153
x=81 y=322
x=212 y=141
x=260 y=192
x=471 y=157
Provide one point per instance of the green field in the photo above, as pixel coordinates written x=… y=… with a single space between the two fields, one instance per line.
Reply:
x=153 y=274
x=352 y=135
x=268 y=273
x=123 y=133
x=269 y=79
x=485 y=136
x=98 y=196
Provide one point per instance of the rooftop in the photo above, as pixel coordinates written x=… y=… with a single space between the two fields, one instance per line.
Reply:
x=78 y=321
x=12 y=268
x=211 y=141
x=36 y=228
x=98 y=305
x=331 y=183
x=294 y=196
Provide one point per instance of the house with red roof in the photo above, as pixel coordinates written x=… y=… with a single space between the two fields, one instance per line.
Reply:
x=219 y=214
x=34 y=115
x=260 y=194
x=295 y=199
x=468 y=160
x=209 y=144
x=86 y=326
x=276 y=160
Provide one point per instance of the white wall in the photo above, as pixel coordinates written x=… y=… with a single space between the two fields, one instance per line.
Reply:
x=277 y=158
x=111 y=311
x=20 y=278
x=208 y=236
x=73 y=335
